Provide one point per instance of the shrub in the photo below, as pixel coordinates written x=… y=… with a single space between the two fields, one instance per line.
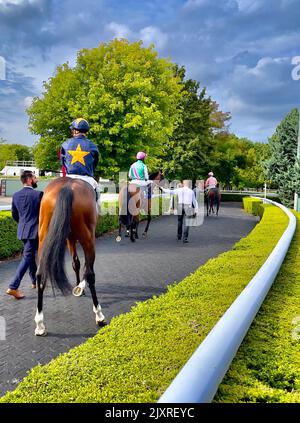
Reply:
x=9 y=244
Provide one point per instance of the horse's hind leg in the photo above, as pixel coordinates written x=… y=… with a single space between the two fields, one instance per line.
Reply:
x=40 y=329
x=89 y=252
x=137 y=229
x=119 y=237
x=147 y=226
x=75 y=259
x=132 y=230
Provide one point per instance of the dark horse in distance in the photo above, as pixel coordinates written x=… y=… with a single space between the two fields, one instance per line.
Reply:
x=212 y=198
x=67 y=215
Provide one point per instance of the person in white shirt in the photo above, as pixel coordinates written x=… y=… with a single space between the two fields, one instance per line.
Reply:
x=187 y=205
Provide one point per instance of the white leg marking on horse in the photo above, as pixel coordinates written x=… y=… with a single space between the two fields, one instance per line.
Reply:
x=40 y=329
x=99 y=315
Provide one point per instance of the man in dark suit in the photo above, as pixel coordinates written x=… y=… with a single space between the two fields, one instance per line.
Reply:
x=25 y=211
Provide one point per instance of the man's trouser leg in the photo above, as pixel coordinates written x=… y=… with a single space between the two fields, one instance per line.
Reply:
x=28 y=261
x=180 y=221
x=185 y=227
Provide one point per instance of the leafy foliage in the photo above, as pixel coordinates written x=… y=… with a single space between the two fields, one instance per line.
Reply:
x=9 y=245
x=239 y=162
x=129 y=96
x=13 y=152
x=283 y=167
x=186 y=155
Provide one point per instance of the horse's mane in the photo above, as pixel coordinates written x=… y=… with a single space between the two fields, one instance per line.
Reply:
x=152 y=176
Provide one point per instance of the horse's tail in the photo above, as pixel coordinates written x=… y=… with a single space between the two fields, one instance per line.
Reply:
x=52 y=260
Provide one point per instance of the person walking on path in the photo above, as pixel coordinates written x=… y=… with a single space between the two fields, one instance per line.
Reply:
x=25 y=211
x=187 y=206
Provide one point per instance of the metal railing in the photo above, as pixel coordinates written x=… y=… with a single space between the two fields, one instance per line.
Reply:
x=18 y=163
x=199 y=379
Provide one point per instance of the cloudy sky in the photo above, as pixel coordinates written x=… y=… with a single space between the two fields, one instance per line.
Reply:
x=241 y=50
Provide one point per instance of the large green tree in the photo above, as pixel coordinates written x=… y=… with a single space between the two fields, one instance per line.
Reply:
x=187 y=153
x=129 y=96
x=239 y=162
x=12 y=152
x=283 y=166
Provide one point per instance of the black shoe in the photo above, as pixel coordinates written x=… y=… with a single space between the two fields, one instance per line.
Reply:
x=179 y=238
x=185 y=241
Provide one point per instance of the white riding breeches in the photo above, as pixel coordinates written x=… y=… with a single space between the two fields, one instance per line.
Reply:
x=140 y=182
x=88 y=179
x=94 y=184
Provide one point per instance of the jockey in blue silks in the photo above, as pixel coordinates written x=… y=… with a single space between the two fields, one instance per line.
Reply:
x=80 y=156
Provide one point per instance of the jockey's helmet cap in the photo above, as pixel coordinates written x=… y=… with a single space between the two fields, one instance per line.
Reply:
x=80 y=124
x=141 y=155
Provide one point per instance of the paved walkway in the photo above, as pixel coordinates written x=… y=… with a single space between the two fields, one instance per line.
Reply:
x=125 y=273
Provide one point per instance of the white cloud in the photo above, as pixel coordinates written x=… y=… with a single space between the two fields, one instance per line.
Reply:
x=7 y=3
x=194 y=4
x=153 y=35
x=27 y=102
x=249 y=6
x=119 y=30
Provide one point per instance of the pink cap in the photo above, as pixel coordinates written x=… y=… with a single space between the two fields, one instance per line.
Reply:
x=141 y=155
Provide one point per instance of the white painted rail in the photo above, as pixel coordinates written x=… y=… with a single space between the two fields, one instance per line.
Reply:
x=198 y=380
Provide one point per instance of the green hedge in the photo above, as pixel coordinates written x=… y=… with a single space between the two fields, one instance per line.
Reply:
x=267 y=365
x=138 y=354
x=239 y=197
x=9 y=244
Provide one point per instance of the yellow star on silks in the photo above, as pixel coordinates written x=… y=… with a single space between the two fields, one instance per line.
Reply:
x=78 y=155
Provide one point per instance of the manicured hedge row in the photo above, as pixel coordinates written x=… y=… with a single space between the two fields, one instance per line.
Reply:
x=267 y=365
x=239 y=197
x=9 y=244
x=254 y=206
x=136 y=357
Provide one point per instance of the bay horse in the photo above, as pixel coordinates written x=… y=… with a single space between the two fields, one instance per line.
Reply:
x=130 y=204
x=212 y=197
x=67 y=215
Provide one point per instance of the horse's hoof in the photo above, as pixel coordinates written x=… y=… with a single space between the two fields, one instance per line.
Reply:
x=40 y=332
x=119 y=238
x=102 y=323
x=132 y=239
x=144 y=235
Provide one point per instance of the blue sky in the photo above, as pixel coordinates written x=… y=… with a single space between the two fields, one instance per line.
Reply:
x=241 y=50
